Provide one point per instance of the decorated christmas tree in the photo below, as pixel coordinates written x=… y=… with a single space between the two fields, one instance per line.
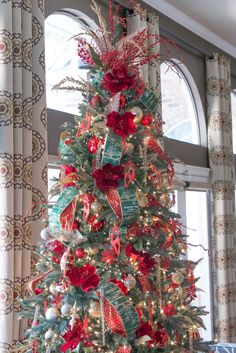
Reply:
x=113 y=272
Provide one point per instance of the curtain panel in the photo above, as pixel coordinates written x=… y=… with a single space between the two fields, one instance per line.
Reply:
x=221 y=162
x=150 y=72
x=23 y=153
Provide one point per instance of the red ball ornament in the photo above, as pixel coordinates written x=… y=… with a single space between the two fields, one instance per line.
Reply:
x=96 y=101
x=169 y=309
x=147 y=120
x=94 y=224
x=80 y=253
x=92 y=144
x=190 y=277
x=122 y=101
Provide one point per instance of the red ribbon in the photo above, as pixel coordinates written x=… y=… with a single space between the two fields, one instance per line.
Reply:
x=84 y=125
x=67 y=216
x=113 y=199
x=115 y=239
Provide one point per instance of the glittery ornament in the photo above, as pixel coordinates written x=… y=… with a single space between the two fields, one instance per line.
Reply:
x=44 y=234
x=122 y=101
x=94 y=309
x=93 y=251
x=80 y=253
x=165 y=200
x=177 y=277
x=142 y=200
x=67 y=260
x=49 y=334
x=53 y=288
x=66 y=309
x=138 y=114
x=147 y=120
x=129 y=149
x=130 y=281
x=51 y=313
x=92 y=144
x=96 y=206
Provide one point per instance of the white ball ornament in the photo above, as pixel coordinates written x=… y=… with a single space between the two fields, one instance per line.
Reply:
x=44 y=234
x=177 y=277
x=49 y=334
x=53 y=288
x=94 y=309
x=66 y=309
x=130 y=281
x=51 y=313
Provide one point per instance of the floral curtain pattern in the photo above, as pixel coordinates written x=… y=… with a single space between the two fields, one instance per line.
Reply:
x=23 y=153
x=150 y=72
x=223 y=201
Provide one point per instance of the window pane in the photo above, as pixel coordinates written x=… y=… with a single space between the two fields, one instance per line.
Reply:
x=62 y=60
x=178 y=107
x=197 y=230
x=233 y=102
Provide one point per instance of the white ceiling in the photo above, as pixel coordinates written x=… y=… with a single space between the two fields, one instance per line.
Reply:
x=214 y=20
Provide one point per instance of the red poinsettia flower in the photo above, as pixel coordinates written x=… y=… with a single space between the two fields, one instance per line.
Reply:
x=84 y=277
x=120 y=284
x=146 y=263
x=118 y=80
x=161 y=336
x=122 y=125
x=109 y=256
x=145 y=329
x=107 y=177
x=72 y=337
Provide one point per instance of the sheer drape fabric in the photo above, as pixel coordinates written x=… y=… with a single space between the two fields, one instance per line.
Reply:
x=23 y=153
x=221 y=162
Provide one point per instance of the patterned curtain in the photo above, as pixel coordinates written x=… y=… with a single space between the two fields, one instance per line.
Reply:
x=23 y=153
x=150 y=72
x=223 y=184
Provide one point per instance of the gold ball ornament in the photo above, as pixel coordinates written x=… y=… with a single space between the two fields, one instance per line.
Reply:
x=94 y=309
x=165 y=200
x=130 y=281
x=129 y=149
x=138 y=114
x=142 y=200
x=177 y=277
x=182 y=247
x=96 y=207
x=93 y=251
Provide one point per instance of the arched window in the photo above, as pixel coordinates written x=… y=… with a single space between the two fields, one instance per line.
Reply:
x=181 y=105
x=62 y=59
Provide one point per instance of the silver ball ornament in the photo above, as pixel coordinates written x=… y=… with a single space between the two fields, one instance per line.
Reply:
x=66 y=309
x=53 y=288
x=44 y=234
x=51 y=313
x=130 y=281
x=49 y=334
x=96 y=206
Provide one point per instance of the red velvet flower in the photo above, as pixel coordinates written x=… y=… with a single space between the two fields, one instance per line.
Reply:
x=122 y=125
x=120 y=285
x=92 y=144
x=94 y=224
x=107 y=177
x=84 y=277
x=72 y=337
x=118 y=80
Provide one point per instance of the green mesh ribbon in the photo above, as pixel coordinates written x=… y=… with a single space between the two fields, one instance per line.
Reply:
x=129 y=204
x=126 y=311
x=65 y=198
x=66 y=151
x=113 y=149
x=150 y=101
